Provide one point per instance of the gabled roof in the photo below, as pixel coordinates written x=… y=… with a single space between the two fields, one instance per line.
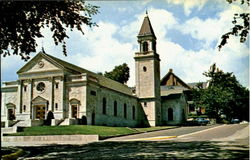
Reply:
x=39 y=99
x=146 y=28
x=103 y=81
x=200 y=84
x=57 y=62
x=167 y=77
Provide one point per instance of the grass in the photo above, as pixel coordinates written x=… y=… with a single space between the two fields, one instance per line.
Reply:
x=102 y=131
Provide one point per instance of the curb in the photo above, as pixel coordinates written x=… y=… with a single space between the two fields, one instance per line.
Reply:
x=104 y=138
x=153 y=138
x=15 y=155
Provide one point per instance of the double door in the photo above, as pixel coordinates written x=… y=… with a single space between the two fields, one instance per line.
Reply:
x=40 y=112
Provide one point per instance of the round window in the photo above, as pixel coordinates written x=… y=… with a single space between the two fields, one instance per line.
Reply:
x=40 y=86
x=40 y=64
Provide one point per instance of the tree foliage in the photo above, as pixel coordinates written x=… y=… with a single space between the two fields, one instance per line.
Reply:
x=21 y=23
x=241 y=25
x=119 y=73
x=224 y=96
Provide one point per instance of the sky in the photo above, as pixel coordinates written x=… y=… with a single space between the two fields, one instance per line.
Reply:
x=188 y=33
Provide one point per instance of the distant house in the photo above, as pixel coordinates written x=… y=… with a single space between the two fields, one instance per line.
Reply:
x=192 y=109
x=174 y=98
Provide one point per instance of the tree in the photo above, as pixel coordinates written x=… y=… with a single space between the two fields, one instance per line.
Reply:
x=224 y=96
x=21 y=23
x=241 y=25
x=119 y=73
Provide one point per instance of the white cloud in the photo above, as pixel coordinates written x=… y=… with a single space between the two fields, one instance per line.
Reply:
x=189 y=4
x=100 y=50
x=105 y=51
x=161 y=20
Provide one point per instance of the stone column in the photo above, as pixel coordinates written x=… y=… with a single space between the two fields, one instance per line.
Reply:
x=31 y=97
x=52 y=94
x=63 y=108
x=19 y=97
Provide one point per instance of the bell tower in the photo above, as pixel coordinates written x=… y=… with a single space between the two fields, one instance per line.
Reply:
x=147 y=70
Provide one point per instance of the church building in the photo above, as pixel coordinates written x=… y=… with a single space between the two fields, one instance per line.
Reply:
x=50 y=88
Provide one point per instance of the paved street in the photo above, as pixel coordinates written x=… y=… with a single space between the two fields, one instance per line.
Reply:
x=169 y=132
x=219 y=142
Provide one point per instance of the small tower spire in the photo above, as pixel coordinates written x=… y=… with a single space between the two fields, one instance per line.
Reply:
x=43 y=50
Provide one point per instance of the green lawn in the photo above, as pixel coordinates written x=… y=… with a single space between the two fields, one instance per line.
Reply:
x=102 y=131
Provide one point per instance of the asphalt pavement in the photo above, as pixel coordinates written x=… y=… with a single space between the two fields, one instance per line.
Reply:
x=164 y=133
x=205 y=142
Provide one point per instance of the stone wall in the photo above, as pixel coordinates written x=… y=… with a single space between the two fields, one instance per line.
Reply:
x=95 y=105
x=46 y=140
x=9 y=96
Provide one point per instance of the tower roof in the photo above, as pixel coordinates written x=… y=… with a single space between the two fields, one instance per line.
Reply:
x=146 y=28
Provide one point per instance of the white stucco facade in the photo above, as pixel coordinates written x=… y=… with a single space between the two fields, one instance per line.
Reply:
x=50 y=88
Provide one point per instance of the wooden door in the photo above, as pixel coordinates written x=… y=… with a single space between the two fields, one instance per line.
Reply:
x=11 y=114
x=74 y=111
x=40 y=112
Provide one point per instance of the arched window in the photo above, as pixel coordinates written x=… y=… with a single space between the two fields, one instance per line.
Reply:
x=25 y=88
x=104 y=106
x=56 y=106
x=115 y=108
x=170 y=114
x=154 y=46
x=24 y=108
x=133 y=112
x=145 y=47
x=125 y=110
x=144 y=68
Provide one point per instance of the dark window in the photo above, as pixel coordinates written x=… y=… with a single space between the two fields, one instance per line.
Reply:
x=191 y=108
x=154 y=46
x=133 y=112
x=144 y=69
x=125 y=110
x=24 y=108
x=145 y=104
x=104 y=106
x=145 y=47
x=170 y=114
x=57 y=85
x=25 y=88
x=115 y=108
x=56 y=106
x=93 y=93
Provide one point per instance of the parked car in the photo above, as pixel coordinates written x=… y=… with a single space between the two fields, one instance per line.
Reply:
x=202 y=121
x=235 y=120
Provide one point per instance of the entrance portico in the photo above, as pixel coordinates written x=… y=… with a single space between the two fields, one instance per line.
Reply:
x=39 y=108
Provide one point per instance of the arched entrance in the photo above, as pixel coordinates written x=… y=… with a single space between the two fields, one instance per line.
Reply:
x=11 y=111
x=170 y=114
x=39 y=108
x=49 y=118
x=84 y=120
x=93 y=119
x=74 y=105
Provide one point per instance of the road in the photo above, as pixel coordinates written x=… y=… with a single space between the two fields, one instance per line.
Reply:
x=208 y=142
x=164 y=133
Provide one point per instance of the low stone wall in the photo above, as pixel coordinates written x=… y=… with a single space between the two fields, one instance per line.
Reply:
x=9 y=130
x=46 y=140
